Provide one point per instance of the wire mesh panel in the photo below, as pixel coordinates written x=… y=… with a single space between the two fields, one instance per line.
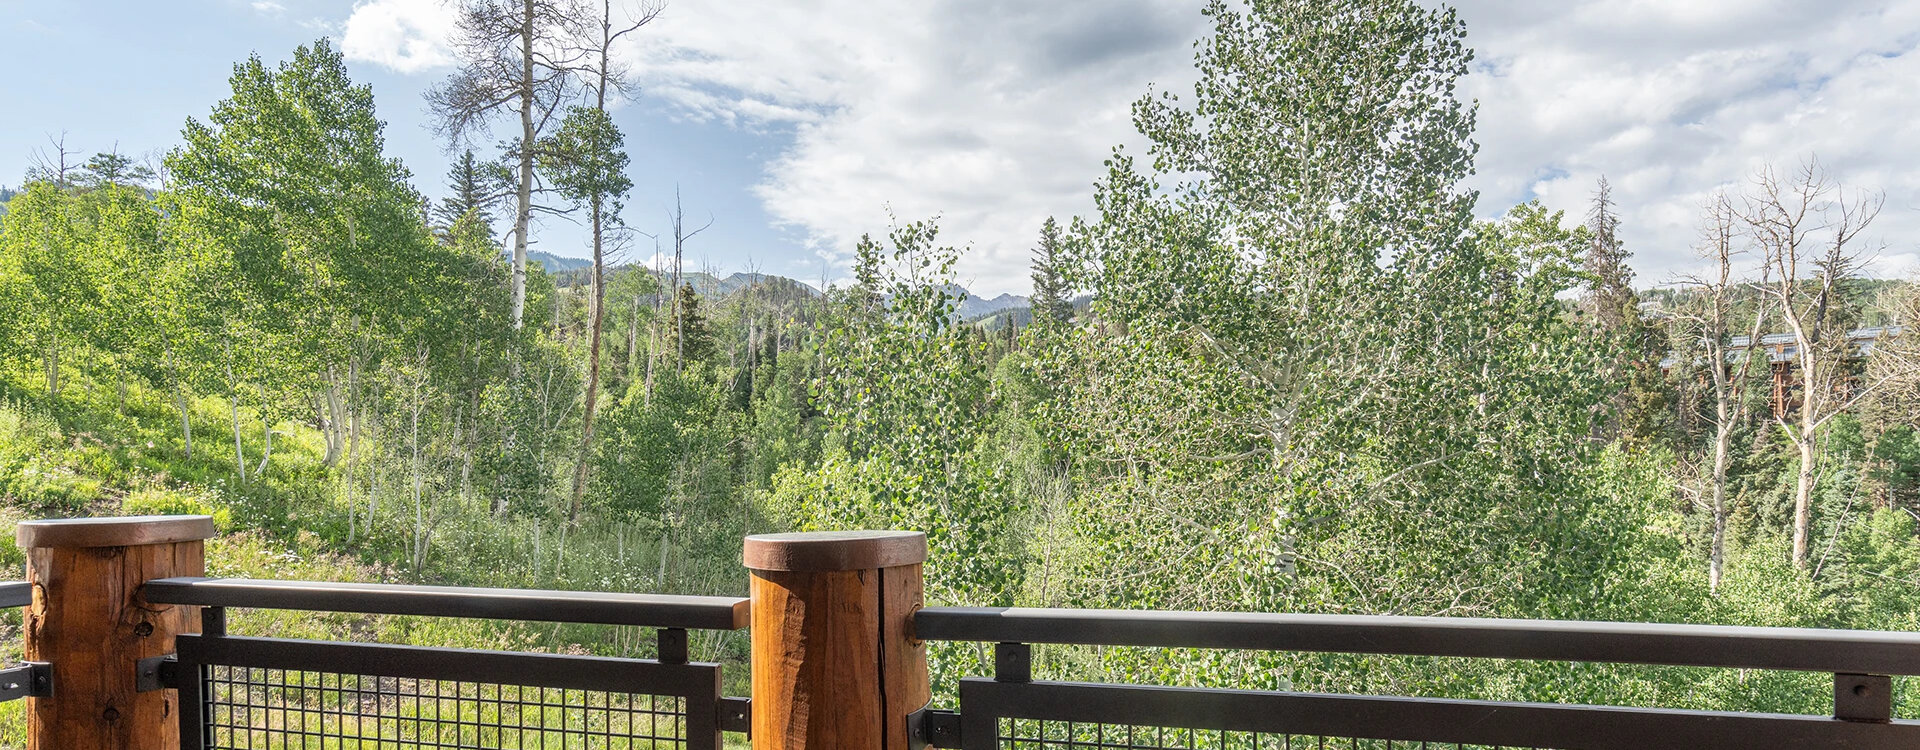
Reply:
x=276 y=694
x=251 y=707
x=1012 y=715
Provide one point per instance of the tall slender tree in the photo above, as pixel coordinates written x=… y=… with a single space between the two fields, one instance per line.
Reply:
x=1049 y=302
x=1729 y=369
x=515 y=58
x=1809 y=230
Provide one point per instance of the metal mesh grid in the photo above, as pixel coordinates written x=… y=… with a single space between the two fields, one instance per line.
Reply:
x=251 y=708
x=1045 y=734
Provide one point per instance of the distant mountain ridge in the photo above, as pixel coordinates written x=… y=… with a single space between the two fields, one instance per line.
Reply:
x=971 y=306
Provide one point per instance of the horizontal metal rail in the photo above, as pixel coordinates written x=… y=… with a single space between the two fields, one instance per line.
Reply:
x=596 y=607
x=16 y=594
x=1802 y=649
x=455 y=664
x=1530 y=725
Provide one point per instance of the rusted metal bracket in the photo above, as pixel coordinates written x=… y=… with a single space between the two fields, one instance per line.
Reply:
x=156 y=673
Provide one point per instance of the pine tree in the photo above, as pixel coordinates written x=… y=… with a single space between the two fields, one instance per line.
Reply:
x=1049 y=301
x=1611 y=301
x=1642 y=408
x=475 y=187
x=699 y=336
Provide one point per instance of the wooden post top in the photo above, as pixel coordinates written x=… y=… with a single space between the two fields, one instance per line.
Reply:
x=123 y=531
x=827 y=551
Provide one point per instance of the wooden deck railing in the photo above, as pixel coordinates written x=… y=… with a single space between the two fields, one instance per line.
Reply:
x=132 y=652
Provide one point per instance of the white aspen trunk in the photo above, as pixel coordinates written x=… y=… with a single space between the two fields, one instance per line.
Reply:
x=660 y=576
x=592 y=397
x=233 y=408
x=1717 y=555
x=266 y=430
x=523 y=193
x=413 y=444
x=181 y=403
x=333 y=418
x=373 y=481
x=53 y=365
x=1803 y=500
x=352 y=407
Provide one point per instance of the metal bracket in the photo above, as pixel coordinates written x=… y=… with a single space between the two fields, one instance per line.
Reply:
x=736 y=715
x=673 y=645
x=932 y=727
x=156 y=673
x=1012 y=662
x=32 y=679
x=1863 y=697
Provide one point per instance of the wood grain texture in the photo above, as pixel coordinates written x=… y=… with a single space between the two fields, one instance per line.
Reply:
x=835 y=664
x=124 y=531
x=903 y=658
x=816 y=665
x=88 y=621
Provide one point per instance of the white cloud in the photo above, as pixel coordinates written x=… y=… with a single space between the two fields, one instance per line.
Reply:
x=409 y=36
x=1672 y=101
x=268 y=7
x=992 y=115
x=996 y=113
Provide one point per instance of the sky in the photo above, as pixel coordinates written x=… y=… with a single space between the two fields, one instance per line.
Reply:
x=797 y=125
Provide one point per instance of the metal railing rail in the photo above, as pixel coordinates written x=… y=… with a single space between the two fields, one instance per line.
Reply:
x=587 y=607
x=1012 y=710
x=1801 y=649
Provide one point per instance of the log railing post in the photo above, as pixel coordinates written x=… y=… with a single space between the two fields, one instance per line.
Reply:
x=89 y=624
x=835 y=664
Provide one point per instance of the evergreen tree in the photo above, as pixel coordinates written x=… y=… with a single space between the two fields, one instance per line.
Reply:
x=699 y=344
x=1049 y=301
x=1610 y=298
x=1642 y=410
x=475 y=187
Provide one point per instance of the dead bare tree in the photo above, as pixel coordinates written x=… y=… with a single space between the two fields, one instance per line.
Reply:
x=1808 y=229
x=1712 y=328
x=57 y=166
x=515 y=56
x=680 y=237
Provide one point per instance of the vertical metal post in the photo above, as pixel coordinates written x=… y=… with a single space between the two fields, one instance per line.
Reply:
x=835 y=663
x=89 y=623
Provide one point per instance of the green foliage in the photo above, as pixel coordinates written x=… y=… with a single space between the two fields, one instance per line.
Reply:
x=905 y=398
x=160 y=501
x=584 y=158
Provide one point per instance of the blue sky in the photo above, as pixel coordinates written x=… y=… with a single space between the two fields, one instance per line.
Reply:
x=799 y=124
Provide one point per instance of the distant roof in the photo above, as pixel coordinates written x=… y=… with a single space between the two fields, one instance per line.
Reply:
x=1865 y=337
